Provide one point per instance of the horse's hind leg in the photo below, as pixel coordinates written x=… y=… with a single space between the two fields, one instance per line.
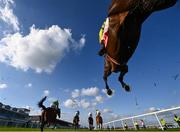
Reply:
x=124 y=70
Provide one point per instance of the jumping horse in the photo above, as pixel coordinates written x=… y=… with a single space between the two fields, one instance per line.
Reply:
x=125 y=21
x=48 y=115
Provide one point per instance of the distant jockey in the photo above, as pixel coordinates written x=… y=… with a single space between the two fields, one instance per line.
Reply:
x=90 y=121
x=103 y=36
x=76 y=120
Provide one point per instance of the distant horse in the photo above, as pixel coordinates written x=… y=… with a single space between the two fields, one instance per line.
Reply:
x=48 y=115
x=125 y=21
x=99 y=121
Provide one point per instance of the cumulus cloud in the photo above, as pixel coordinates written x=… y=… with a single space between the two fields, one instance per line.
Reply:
x=85 y=104
x=7 y=14
x=152 y=109
x=85 y=98
x=75 y=93
x=46 y=92
x=99 y=99
x=40 y=50
x=51 y=99
x=80 y=44
x=93 y=91
x=69 y=103
x=114 y=116
x=3 y=86
x=107 y=111
x=74 y=103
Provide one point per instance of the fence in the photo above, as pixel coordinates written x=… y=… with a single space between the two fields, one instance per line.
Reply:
x=151 y=120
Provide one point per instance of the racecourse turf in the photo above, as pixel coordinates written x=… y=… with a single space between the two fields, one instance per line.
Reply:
x=6 y=129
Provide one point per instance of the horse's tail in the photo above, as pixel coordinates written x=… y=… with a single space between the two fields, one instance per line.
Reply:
x=40 y=103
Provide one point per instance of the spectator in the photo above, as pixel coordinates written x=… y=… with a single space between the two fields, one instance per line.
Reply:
x=143 y=124
x=125 y=126
x=177 y=119
x=136 y=125
x=164 y=124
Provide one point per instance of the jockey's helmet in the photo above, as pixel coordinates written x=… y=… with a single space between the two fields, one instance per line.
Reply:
x=77 y=112
x=97 y=112
x=90 y=114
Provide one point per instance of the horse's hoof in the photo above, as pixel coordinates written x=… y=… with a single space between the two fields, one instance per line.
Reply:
x=109 y=92
x=127 y=88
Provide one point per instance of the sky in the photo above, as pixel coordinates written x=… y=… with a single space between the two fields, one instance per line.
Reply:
x=49 y=48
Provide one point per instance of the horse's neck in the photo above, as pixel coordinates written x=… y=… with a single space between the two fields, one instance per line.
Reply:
x=124 y=33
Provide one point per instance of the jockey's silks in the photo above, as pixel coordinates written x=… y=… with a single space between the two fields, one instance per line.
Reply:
x=103 y=33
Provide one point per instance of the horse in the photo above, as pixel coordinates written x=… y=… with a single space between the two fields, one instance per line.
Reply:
x=48 y=115
x=125 y=21
x=99 y=121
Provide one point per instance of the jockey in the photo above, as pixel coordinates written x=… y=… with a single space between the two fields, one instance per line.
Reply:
x=98 y=112
x=76 y=120
x=90 y=121
x=55 y=105
x=90 y=114
x=77 y=113
x=103 y=36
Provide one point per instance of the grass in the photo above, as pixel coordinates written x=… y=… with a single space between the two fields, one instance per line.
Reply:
x=11 y=129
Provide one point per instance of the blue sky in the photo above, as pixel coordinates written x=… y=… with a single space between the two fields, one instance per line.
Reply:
x=50 y=47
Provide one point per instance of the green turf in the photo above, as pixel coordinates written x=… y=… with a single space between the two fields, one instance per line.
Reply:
x=5 y=129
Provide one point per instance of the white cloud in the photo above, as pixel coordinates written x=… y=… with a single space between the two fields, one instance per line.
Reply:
x=107 y=111
x=7 y=15
x=75 y=93
x=3 y=86
x=114 y=116
x=99 y=99
x=28 y=107
x=35 y=112
x=29 y=85
x=51 y=99
x=151 y=109
x=94 y=104
x=40 y=50
x=93 y=91
x=85 y=104
x=79 y=45
x=69 y=103
x=46 y=92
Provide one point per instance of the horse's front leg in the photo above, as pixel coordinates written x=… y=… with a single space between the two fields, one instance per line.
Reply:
x=42 y=125
x=124 y=70
x=107 y=72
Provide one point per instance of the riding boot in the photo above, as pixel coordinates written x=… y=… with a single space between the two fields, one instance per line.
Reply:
x=59 y=112
x=102 y=50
